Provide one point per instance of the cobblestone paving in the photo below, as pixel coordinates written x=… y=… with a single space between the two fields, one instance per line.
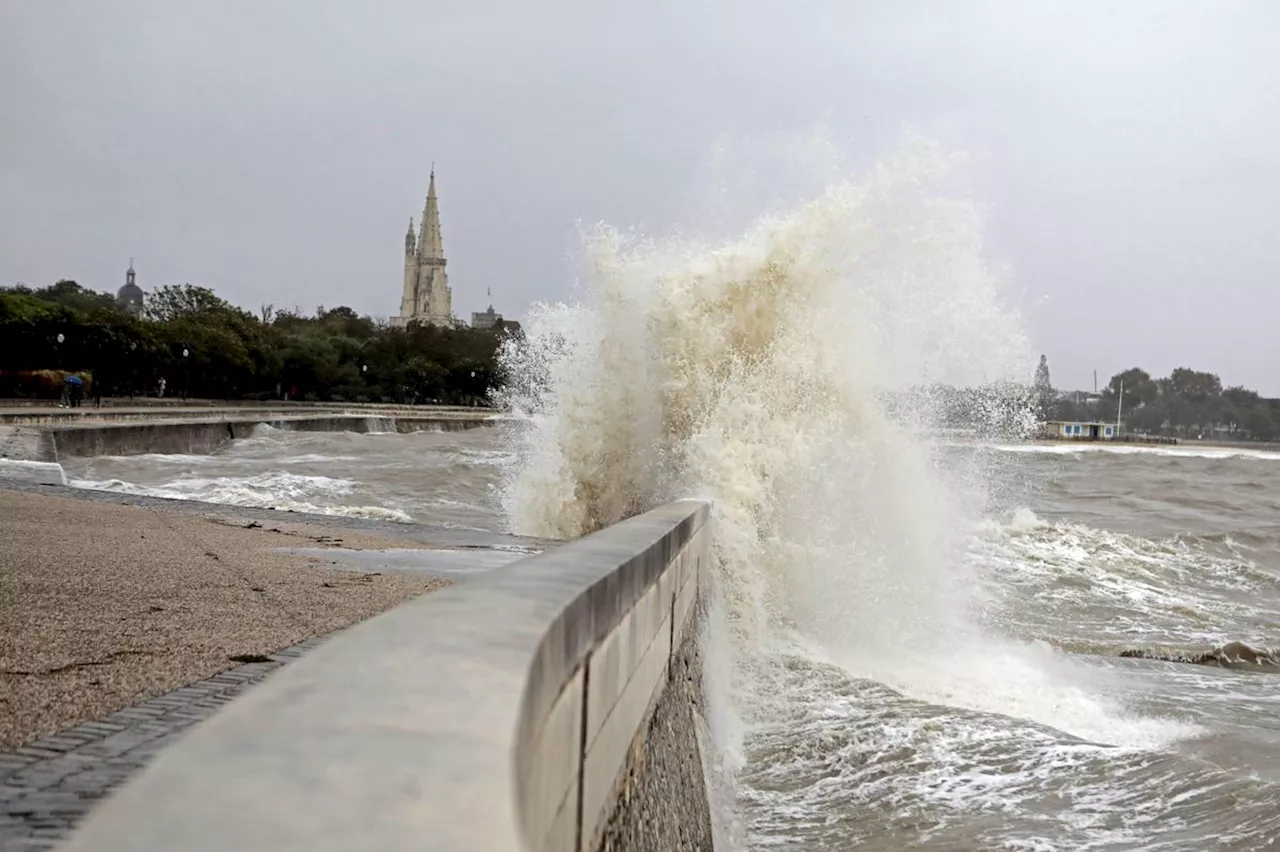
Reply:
x=48 y=785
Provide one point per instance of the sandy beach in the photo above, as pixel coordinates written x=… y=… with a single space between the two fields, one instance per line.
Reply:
x=103 y=605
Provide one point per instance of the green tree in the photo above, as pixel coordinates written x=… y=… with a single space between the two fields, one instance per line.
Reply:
x=1139 y=387
x=232 y=354
x=72 y=296
x=1193 y=386
x=172 y=302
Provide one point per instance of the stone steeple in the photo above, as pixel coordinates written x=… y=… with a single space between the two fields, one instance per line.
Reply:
x=426 y=297
x=430 y=242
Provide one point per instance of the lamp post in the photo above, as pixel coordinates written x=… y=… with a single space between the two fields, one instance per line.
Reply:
x=133 y=366
x=66 y=389
x=186 y=358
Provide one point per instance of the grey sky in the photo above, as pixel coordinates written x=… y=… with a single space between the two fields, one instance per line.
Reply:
x=275 y=150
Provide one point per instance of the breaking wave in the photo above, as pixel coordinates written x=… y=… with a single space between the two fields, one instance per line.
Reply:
x=286 y=492
x=870 y=667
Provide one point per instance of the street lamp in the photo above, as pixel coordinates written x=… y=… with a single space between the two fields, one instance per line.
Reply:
x=186 y=357
x=66 y=391
x=133 y=367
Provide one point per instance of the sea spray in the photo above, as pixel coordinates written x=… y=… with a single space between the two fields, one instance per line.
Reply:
x=864 y=686
x=768 y=374
x=750 y=372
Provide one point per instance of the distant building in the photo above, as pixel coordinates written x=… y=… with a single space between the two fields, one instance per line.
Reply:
x=426 y=297
x=487 y=319
x=1083 y=431
x=130 y=297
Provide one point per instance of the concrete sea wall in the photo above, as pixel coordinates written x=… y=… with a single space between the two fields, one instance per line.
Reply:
x=547 y=705
x=197 y=436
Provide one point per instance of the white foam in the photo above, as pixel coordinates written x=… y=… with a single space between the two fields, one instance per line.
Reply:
x=273 y=490
x=1084 y=585
x=1034 y=683
x=1025 y=519
x=33 y=472
x=1179 y=451
x=749 y=373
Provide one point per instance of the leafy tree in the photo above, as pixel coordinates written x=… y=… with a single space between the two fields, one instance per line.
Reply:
x=1193 y=386
x=173 y=302
x=1043 y=388
x=1139 y=388
x=72 y=296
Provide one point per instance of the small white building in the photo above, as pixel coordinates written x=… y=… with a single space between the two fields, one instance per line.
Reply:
x=1082 y=431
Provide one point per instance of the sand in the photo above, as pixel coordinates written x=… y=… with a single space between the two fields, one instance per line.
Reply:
x=104 y=605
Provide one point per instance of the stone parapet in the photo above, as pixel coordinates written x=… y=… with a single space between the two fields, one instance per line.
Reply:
x=547 y=705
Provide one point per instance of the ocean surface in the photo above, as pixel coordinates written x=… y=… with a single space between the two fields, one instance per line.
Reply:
x=444 y=478
x=1079 y=706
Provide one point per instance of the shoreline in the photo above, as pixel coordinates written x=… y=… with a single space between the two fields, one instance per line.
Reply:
x=1182 y=444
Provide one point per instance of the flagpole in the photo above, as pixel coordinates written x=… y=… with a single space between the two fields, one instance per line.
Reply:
x=1119 y=406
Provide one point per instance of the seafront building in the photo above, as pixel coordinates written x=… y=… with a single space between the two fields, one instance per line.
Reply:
x=1080 y=431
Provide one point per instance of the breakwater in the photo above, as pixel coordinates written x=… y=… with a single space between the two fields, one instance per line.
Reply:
x=549 y=705
x=52 y=438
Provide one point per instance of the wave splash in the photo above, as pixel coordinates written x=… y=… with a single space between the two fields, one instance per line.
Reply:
x=756 y=372
x=751 y=372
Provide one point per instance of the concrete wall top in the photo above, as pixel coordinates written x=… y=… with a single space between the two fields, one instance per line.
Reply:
x=403 y=732
x=34 y=416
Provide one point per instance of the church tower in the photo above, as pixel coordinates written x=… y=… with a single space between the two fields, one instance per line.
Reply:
x=130 y=297
x=427 y=297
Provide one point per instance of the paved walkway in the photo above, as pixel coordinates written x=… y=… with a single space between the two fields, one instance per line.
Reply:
x=50 y=784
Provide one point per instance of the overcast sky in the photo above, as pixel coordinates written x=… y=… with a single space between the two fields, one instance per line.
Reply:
x=1125 y=151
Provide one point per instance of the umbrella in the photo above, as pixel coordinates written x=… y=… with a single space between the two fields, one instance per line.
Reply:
x=74 y=380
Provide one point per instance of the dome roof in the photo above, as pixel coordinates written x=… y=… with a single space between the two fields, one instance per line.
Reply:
x=130 y=293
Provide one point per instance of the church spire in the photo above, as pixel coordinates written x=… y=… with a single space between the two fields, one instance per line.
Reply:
x=430 y=243
x=410 y=244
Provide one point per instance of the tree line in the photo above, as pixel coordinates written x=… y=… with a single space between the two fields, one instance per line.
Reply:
x=1186 y=404
x=205 y=347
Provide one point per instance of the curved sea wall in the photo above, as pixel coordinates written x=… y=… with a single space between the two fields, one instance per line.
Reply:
x=553 y=705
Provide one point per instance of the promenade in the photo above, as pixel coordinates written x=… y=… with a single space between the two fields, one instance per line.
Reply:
x=124 y=621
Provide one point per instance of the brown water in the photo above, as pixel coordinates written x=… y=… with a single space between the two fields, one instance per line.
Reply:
x=1036 y=733
x=1045 y=737
x=444 y=478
